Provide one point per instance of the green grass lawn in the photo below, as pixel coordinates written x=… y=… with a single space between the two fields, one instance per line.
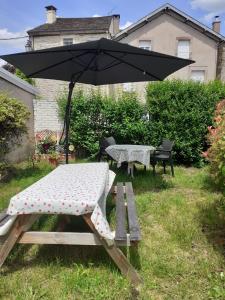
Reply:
x=181 y=255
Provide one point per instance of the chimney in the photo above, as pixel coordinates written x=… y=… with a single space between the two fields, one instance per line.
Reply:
x=216 y=24
x=115 y=24
x=51 y=14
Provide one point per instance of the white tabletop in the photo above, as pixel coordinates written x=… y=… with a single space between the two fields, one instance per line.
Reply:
x=130 y=153
x=72 y=189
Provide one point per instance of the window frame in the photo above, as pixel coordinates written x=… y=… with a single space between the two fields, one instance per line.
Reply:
x=67 y=38
x=149 y=40
x=178 y=39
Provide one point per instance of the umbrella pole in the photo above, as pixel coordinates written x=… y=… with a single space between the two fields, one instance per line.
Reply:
x=67 y=117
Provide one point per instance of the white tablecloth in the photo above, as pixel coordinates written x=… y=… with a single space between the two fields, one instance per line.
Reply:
x=130 y=153
x=73 y=189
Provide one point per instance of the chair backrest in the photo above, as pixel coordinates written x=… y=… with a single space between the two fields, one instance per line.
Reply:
x=105 y=142
x=167 y=145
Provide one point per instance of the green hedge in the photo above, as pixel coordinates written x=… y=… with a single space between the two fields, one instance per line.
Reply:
x=13 y=118
x=178 y=110
x=94 y=116
x=181 y=111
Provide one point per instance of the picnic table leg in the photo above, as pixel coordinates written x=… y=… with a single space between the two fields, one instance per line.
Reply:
x=130 y=169
x=117 y=255
x=21 y=224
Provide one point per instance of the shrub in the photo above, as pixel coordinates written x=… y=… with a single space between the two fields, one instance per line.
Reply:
x=181 y=111
x=21 y=75
x=13 y=117
x=216 y=152
x=94 y=116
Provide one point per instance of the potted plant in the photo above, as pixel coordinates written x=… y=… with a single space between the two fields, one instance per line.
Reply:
x=54 y=158
x=72 y=151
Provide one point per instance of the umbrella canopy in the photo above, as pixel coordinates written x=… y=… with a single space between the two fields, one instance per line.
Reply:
x=100 y=62
x=97 y=62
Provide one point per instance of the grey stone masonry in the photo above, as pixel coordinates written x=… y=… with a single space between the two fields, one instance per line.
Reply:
x=46 y=116
x=220 y=72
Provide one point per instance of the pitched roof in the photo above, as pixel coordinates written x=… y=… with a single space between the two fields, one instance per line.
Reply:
x=79 y=25
x=173 y=12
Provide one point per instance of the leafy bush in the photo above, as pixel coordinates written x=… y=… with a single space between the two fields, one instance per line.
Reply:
x=21 y=75
x=13 y=117
x=181 y=111
x=94 y=116
x=216 y=152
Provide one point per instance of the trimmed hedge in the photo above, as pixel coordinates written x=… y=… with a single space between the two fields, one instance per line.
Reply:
x=13 y=118
x=178 y=110
x=181 y=111
x=94 y=116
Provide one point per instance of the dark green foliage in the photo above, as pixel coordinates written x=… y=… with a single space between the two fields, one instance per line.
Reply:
x=178 y=110
x=95 y=116
x=181 y=111
x=21 y=75
x=13 y=118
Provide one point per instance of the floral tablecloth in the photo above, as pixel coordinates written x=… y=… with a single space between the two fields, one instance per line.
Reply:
x=73 y=189
x=130 y=153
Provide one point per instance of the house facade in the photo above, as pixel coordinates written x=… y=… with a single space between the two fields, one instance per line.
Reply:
x=171 y=31
x=167 y=30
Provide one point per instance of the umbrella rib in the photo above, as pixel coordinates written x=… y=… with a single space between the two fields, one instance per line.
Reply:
x=114 y=63
x=56 y=64
x=133 y=66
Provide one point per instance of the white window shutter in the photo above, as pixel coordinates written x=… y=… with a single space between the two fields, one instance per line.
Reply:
x=147 y=45
x=198 y=75
x=183 y=48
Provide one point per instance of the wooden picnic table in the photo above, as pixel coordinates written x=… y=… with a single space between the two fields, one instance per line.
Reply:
x=74 y=189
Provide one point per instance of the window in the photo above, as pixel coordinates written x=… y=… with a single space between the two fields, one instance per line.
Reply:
x=183 y=48
x=128 y=87
x=198 y=75
x=147 y=45
x=67 y=41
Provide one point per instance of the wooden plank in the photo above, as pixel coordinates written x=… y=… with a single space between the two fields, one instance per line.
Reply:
x=3 y=215
x=134 y=228
x=22 y=223
x=121 y=232
x=117 y=255
x=64 y=238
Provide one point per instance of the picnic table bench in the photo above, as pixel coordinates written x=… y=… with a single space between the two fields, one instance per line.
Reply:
x=127 y=232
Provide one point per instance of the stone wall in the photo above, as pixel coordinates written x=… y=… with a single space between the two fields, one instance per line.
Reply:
x=221 y=62
x=46 y=115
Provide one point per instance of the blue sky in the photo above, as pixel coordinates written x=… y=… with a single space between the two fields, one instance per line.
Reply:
x=18 y=16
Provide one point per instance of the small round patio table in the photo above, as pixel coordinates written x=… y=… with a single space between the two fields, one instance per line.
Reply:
x=131 y=154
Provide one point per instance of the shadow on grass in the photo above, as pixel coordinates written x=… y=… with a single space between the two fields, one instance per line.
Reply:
x=144 y=181
x=62 y=255
x=212 y=218
x=210 y=185
x=26 y=172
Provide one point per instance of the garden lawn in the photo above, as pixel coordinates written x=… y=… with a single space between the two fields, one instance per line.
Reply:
x=181 y=253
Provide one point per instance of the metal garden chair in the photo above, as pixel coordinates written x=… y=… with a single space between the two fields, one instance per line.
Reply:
x=163 y=154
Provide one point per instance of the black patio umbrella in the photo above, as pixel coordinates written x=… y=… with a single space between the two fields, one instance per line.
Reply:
x=97 y=62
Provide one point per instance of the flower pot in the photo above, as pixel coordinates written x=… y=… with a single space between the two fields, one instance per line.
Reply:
x=53 y=161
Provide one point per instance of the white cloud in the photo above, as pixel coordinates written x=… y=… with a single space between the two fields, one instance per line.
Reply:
x=127 y=24
x=213 y=7
x=17 y=43
x=96 y=16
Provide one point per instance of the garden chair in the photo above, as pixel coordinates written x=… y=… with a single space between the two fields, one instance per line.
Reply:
x=163 y=154
x=103 y=144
